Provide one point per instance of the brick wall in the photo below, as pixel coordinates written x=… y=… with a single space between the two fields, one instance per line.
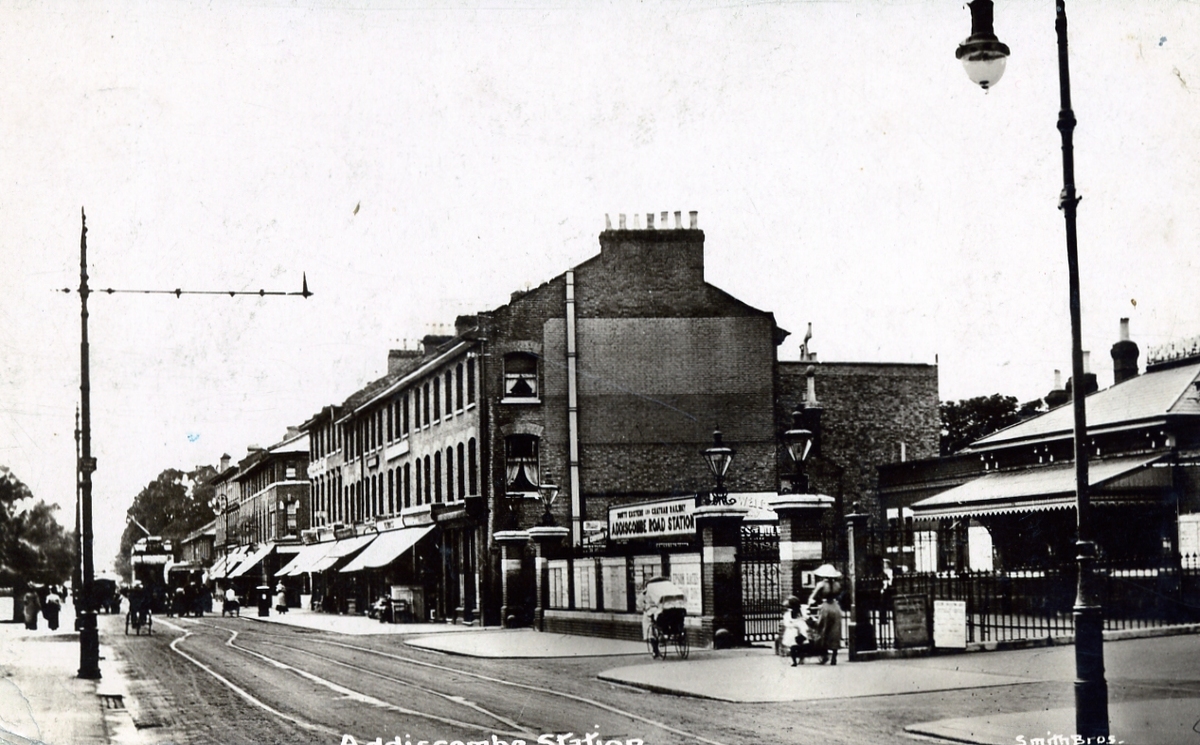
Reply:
x=663 y=358
x=868 y=409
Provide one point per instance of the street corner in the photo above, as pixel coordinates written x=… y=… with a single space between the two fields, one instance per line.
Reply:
x=766 y=678
x=525 y=643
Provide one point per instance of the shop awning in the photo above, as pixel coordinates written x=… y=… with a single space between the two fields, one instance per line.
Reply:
x=1047 y=487
x=227 y=563
x=340 y=550
x=387 y=548
x=252 y=561
x=303 y=560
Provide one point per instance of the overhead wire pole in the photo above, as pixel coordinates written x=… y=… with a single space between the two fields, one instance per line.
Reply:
x=89 y=640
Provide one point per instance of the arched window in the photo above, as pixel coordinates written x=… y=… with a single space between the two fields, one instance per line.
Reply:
x=437 y=476
x=420 y=494
x=520 y=376
x=470 y=380
x=462 y=472
x=521 y=464
x=425 y=407
x=404 y=415
x=450 y=474
x=391 y=503
x=472 y=467
x=458 y=387
x=407 y=486
x=437 y=405
x=428 y=485
x=449 y=392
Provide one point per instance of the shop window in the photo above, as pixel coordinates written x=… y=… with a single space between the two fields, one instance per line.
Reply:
x=520 y=376
x=521 y=464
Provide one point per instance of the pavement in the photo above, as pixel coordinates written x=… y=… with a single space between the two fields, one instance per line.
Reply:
x=41 y=700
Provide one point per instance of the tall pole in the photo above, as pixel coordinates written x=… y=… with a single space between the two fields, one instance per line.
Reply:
x=1091 y=690
x=77 y=569
x=89 y=639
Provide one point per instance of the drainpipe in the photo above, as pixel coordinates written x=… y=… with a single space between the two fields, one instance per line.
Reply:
x=573 y=416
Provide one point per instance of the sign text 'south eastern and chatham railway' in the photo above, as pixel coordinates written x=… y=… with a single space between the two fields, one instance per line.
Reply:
x=671 y=517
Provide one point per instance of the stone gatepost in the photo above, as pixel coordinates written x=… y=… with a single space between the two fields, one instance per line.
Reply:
x=800 y=544
x=512 y=548
x=720 y=530
x=546 y=542
x=862 y=634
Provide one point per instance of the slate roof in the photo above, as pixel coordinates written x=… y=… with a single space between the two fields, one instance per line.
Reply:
x=1143 y=400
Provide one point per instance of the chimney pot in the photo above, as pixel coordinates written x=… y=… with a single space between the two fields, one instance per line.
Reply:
x=1058 y=380
x=637 y=221
x=694 y=217
x=678 y=220
x=607 y=222
x=1087 y=362
x=1124 y=329
x=649 y=221
x=621 y=219
x=663 y=220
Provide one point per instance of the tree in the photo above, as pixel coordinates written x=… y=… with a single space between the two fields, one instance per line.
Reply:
x=171 y=506
x=970 y=419
x=34 y=548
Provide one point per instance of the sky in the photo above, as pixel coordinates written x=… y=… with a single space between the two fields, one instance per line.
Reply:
x=418 y=161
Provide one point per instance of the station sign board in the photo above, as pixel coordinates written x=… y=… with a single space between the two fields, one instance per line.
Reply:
x=658 y=519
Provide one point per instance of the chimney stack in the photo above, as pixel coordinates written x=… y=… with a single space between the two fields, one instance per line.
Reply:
x=1125 y=356
x=1058 y=396
x=1089 y=383
x=400 y=360
x=225 y=459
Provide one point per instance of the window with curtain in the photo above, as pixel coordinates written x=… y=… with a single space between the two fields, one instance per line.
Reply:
x=521 y=464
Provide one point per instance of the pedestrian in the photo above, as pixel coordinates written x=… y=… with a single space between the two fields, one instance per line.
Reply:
x=829 y=585
x=280 y=599
x=32 y=607
x=51 y=607
x=829 y=630
x=231 y=606
x=179 y=603
x=794 y=630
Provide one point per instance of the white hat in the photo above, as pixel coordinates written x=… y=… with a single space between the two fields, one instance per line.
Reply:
x=827 y=571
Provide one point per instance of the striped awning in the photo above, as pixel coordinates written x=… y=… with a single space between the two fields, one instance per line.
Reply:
x=302 y=561
x=387 y=548
x=1041 y=488
x=340 y=550
x=252 y=560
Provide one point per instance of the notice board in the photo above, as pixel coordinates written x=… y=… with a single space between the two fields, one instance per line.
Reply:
x=910 y=615
x=950 y=624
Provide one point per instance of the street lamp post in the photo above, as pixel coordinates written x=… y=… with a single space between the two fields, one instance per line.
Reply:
x=979 y=54
x=718 y=457
x=799 y=441
x=547 y=493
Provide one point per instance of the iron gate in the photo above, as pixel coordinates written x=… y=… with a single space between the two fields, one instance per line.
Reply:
x=761 y=604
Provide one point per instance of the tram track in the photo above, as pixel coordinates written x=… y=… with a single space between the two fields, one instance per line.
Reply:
x=512 y=728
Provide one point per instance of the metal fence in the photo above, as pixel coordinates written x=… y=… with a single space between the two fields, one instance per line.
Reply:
x=1038 y=604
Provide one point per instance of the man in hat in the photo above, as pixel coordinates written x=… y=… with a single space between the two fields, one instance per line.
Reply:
x=829 y=630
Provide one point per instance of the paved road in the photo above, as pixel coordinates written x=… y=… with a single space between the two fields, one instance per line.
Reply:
x=215 y=680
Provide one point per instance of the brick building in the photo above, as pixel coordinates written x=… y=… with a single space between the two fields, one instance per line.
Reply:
x=607 y=382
